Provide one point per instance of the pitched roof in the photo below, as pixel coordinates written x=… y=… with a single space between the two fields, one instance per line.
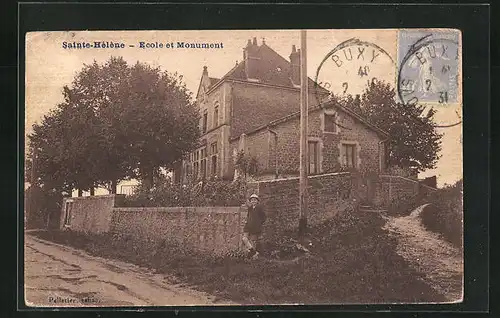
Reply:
x=213 y=81
x=272 y=69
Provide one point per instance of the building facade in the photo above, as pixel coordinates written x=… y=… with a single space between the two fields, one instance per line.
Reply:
x=255 y=108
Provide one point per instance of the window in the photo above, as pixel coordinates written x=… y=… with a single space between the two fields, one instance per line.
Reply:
x=214 y=165
x=330 y=125
x=67 y=213
x=187 y=166
x=203 y=167
x=199 y=163
x=213 y=152
x=213 y=148
x=349 y=155
x=216 y=116
x=313 y=157
x=196 y=164
x=204 y=123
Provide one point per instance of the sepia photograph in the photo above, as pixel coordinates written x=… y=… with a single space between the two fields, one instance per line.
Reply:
x=243 y=167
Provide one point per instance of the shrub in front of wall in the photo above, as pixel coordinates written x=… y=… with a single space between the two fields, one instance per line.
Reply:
x=404 y=205
x=445 y=215
x=224 y=193
x=211 y=192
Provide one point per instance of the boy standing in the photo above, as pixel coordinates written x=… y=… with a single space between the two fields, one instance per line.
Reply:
x=253 y=227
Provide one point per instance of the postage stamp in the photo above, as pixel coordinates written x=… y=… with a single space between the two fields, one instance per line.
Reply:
x=429 y=66
x=430 y=72
x=163 y=168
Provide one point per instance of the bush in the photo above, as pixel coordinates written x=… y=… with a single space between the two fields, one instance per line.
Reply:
x=46 y=205
x=212 y=192
x=247 y=164
x=404 y=205
x=445 y=214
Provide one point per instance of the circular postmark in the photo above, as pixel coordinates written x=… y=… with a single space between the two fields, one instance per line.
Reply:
x=349 y=67
x=429 y=75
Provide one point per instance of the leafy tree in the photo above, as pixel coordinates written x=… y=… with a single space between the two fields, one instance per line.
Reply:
x=116 y=122
x=247 y=164
x=63 y=143
x=99 y=93
x=41 y=206
x=414 y=141
x=162 y=121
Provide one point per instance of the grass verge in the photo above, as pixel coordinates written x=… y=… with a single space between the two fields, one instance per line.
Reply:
x=352 y=260
x=445 y=214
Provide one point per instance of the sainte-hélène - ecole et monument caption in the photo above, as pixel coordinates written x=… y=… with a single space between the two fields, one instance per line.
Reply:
x=141 y=45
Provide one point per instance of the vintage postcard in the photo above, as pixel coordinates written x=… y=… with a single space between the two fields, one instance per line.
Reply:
x=243 y=167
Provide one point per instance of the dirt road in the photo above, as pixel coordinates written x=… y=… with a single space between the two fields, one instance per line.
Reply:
x=60 y=276
x=441 y=262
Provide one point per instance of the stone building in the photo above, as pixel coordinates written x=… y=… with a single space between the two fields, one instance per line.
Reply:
x=255 y=108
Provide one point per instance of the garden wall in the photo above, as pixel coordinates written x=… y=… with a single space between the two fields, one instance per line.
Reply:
x=328 y=194
x=396 y=188
x=210 y=229
x=90 y=214
x=218 y=229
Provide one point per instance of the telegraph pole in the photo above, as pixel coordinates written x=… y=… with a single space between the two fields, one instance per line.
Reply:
x=303 y=136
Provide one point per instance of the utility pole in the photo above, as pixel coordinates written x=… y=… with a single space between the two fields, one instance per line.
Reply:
x=303 y=136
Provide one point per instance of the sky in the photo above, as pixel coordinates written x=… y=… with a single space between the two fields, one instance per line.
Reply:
x=50 y=66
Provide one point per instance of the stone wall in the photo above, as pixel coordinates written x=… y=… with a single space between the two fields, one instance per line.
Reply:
x=390 y=188
x=218 y=230
x=328 y=194
x=209 y=229
x=91 y=214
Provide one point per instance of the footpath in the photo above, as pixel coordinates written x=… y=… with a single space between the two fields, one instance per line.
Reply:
x=438 y=260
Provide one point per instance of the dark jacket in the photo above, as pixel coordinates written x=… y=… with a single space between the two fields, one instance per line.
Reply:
x=255 y=219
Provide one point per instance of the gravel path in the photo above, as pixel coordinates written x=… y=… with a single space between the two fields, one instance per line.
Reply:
x=60 y=276
x=438 y=260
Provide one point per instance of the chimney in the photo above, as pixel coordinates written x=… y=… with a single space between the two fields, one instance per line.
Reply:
x=295 y=67
x=205 y=70
x=251 y=58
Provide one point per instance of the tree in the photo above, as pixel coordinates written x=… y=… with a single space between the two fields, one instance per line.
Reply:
x=42 y=206
x=162 y=121
x=65 y=144
x=414 y=142
x=247 y=165
x=116 y=122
